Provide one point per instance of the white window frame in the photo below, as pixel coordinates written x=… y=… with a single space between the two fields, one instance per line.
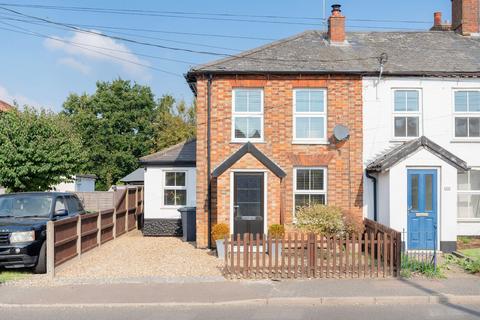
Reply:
x=323 y=115
x=462 y=114
x=248 y=114
x=165 y=187
x=406 y=114
x=468 y=192
x=310 y=192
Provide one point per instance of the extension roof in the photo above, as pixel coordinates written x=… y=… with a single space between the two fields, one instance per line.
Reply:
x=182 y=154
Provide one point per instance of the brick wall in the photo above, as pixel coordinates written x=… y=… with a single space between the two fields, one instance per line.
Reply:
x=343 y=161
x=466 y=16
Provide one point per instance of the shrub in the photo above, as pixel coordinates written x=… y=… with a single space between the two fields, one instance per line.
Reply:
x=220 y=231
x=412 y=266
x=321 y=219
x=276 y=231
x=353 y=222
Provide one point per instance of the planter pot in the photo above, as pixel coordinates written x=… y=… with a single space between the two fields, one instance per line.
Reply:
x=220 y=248
x=273 y=252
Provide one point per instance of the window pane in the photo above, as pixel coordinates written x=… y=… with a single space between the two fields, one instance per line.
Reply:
x=400 y=101
x=428 y=192
x=317 y=129
x=170 y=179
x=316 y=101
x=302 y=101
x=301 y=128
x=241 y=98
x=474 y=127
x=254 y=128
x=474 y=179
x=461 y=127
x=412 y=126
x=400 y=126
x=181 y=197
x=316 y=179
x=317 y=199
x=255 y=101
x=461 y=101
x=180 y=179
x=303 y=179
x=462 y=181
x=469 y=206
x=412 y=101
x=474 y=101
x=414 y=192
x=301 y=200
x=241 y=127
x=169 y=197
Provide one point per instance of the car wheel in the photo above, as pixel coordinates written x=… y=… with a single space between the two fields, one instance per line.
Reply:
x=41 y=266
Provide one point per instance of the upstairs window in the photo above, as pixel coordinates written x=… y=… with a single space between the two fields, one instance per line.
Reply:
x=247 y=115
x=469 y=194
x=406 y=114
x=310 y=116
x=467 y=114
x=175 y=189
x=310 y=187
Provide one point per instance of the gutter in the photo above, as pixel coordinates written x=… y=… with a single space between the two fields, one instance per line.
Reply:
x=374 y=180
x=209 y=174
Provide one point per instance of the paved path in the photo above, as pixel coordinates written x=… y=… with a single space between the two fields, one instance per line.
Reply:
x=434 y=312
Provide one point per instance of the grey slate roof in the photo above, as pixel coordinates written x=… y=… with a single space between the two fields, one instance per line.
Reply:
x=409 y=53
x=135 y=176
x=181 y=154
x=401 y=152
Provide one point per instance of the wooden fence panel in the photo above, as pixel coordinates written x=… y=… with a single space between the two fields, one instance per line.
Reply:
x=65 y=240
x=89 y=231
x=106 y=222
x=120 y=222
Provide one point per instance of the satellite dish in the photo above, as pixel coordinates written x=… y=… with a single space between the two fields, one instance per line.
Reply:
x=341 y=132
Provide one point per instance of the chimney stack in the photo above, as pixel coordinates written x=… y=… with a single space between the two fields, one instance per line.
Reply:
x=336 y=25
x=466 y=16
x=438 y=25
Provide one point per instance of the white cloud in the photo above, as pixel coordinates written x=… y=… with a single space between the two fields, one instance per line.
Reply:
x=75 y=64
x=96 y=47
x=22 y=100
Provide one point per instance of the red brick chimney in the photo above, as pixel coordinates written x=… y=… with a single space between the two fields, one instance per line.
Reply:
x=438 y=24
x=466 y=16
x=336 y=25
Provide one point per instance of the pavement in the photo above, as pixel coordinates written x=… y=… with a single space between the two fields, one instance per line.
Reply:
x=320 y=292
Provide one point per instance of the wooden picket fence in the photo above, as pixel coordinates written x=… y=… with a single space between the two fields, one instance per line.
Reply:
x=373 y=253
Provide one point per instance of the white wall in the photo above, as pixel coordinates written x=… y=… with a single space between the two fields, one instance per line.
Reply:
x=80 y=184
x=154 y=181
x=437 y=97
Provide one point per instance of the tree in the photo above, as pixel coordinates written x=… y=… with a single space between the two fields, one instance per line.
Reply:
x=116 y=126
x=174 y=123
x=38 y=149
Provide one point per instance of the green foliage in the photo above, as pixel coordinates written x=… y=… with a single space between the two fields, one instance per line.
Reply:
x=321 y=219
x=276 y=231
x=174 y=123
x=470 y=264
x=465 y=240
x=11 y=275
x=121 y=122
x=220 y=231
x=473 y=253
x=412 y=266
x=38 y=149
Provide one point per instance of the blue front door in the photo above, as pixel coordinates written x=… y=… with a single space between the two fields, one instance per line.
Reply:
x=422 y=209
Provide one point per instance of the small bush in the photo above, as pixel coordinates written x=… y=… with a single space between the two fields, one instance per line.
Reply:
x=411 y=266
x=276 y=231
x=220 y=231
x=328 y=220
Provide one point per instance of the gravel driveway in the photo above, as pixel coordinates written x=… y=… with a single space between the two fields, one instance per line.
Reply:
x=133 y=257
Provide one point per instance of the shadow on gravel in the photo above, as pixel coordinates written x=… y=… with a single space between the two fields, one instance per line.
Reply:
x=444 y=300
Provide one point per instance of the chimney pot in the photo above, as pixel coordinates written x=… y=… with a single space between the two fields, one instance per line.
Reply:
x=437 y=19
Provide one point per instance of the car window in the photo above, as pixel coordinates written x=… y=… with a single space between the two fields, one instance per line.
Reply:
x=59 y=204
x=19 y=205
x=74 y=205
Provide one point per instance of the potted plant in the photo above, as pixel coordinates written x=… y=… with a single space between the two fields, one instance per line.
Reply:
x=219 y=232
x=276 y=231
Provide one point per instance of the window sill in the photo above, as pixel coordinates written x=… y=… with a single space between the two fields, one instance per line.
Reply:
x=466 y=140
x=245 y=141
x=402 y=140
x=467 y=220
x=311 y=142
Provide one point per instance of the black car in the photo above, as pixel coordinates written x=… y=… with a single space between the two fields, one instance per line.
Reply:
x=23 y=226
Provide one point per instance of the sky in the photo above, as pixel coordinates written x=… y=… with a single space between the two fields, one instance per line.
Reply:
x=43 y=69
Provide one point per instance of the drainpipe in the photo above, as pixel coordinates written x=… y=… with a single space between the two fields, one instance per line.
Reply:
x=374 y=180
x=209 y=175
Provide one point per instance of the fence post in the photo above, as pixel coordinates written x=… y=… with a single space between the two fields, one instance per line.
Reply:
x=79 y=235
x=398 y=253
x=115 y=222
x=99 y=228
x=127 y=208
x=136 y=208
x=51 y=249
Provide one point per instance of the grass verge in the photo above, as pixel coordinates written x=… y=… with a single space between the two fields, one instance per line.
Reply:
x=11 y=275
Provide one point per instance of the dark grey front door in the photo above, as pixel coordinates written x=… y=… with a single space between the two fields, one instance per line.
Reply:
x=248 y=202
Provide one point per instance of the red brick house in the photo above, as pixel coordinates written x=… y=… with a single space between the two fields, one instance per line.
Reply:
x=265 y=141
x=4 y=106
